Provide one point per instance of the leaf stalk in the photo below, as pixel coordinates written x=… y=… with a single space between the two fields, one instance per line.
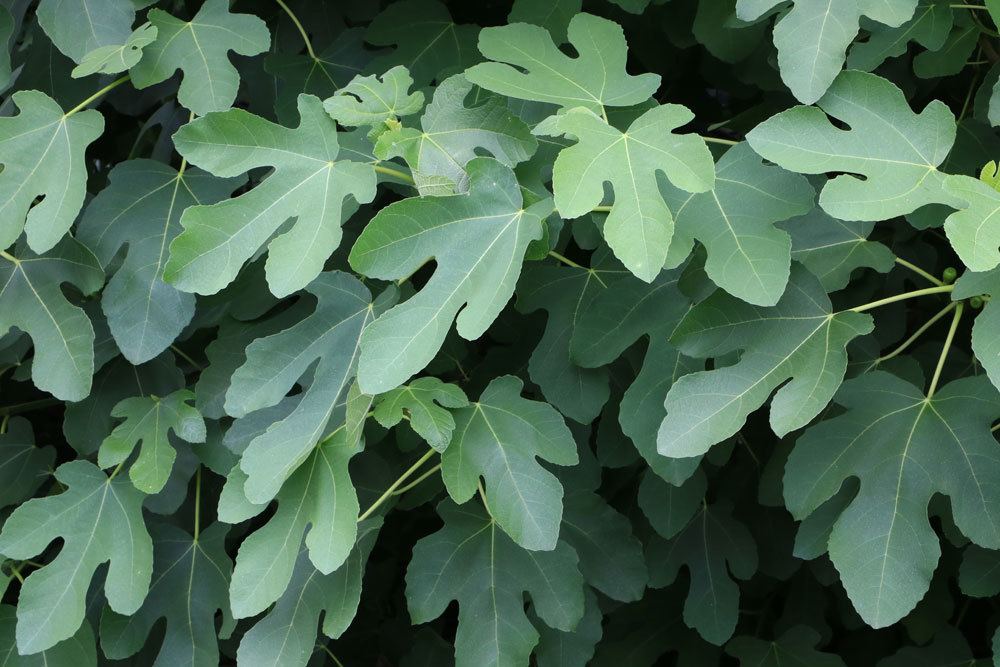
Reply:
x=298 y=26
x=944 y=350
x=717 y=140
x=395 y=485
x=920 y=272
x=939 y=289
x=565 y=260
x=28 y=406
x=403 y=489
x=106 y=89
x=197 y=503
x=395 y=173
x=916 y=334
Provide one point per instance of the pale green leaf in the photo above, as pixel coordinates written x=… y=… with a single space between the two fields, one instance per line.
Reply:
x=148 y=421
x=190 y=586
x=890 y=436
x=501 y=437
x=471 y=561
x=452 y=133
x=32 y=301
x=985 y=341
x=330 y=336
x=895 y=150
x=141 y=208
x=116 y=58
x=477 y=240
x=42 y=153
x=800 y=339
x=80 y=650
x=99 y=520
x=77 y=27
x=974 y=230
x=308 y=183
x=747 y=255
x=88 y=422
x=813 y=36
x=200 y=49
x=539 y=71
x=640 y=226
x=287 y=634
x=373 y=101
x=318 y=500
x=423 y=403
x=227 y=353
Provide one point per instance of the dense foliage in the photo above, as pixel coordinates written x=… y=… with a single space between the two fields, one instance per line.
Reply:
x=548 y=332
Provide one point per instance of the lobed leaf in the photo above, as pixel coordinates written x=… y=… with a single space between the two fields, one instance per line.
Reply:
x=895 y=150
x=100 y=521
x=595 y=79
x=477 y=240
x=200 y=49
